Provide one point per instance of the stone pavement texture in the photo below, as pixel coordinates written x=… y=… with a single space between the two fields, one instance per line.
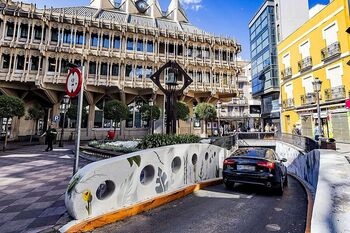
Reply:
x=32 y=187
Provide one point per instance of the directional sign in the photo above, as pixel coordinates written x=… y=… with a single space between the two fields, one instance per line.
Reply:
x=56 y=118
x=73 y=82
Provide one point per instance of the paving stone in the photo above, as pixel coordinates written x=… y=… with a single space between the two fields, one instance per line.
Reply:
x=40 y=205
x=15 y=226
x=5 y=217
x=14 y=208
x=28 y=214
x=26 y=200
x=53 y=211
x=44 y=221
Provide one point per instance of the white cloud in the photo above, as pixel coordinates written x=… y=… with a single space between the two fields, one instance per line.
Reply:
x=192 y=4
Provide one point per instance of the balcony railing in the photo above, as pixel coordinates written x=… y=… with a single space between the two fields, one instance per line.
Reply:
x=308 y=99
x=305 y=64
x=287 y=73
x=335 y=93
x=288 y=103
x=331 y=51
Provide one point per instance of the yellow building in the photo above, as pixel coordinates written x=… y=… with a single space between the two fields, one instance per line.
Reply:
x=318 y=49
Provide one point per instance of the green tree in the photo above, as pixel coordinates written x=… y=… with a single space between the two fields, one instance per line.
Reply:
x=73 y=110
x=35 y=113
x=206 y=112
x=147 y=111
x=182 y=112
x=116 y=111
x=10 y=107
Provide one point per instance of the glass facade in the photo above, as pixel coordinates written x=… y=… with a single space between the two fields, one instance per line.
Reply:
x=264 y=52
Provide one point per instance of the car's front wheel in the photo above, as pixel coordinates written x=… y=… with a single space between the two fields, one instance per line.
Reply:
x=280 y=188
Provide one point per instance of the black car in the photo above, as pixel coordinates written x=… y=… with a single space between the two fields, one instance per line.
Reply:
x=260 y=166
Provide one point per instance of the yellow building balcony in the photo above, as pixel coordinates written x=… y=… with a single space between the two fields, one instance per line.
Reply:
x=335 y=93
x=287 y=73
x=330 y=52
x=308 y=99
x=305 y=64
x=288 y=103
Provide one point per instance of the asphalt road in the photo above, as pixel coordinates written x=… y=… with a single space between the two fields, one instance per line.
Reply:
x=246 y=209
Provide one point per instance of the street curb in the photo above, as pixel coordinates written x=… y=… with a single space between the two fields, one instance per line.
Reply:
x=93 y=223
x=310 y=202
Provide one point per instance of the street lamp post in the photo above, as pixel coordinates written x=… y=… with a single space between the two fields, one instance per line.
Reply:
x=317 y=84
x=150 y=103
x=64 y=108
x=171 y=90
x=219 y=105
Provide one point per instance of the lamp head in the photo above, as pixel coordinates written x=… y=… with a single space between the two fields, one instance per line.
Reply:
x=317 y=84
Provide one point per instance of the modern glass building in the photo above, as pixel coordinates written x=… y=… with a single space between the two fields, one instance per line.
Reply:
x=263 y=47
x=274 y=21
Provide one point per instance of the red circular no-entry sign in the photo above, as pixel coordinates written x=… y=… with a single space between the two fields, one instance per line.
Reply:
x=73 y=82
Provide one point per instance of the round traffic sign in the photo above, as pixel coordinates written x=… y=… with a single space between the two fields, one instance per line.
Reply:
x=73 y=82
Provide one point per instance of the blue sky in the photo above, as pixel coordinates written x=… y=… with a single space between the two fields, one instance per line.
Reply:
x=221 y=17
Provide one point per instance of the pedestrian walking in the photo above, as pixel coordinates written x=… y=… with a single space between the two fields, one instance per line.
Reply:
x=318 y=133
x=51 y=134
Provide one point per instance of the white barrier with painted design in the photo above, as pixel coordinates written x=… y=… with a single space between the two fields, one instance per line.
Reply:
x=109 y=185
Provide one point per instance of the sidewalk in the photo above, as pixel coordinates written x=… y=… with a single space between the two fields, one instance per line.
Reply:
x=32 y=187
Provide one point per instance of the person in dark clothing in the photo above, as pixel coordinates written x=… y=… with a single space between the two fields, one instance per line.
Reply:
x=51 y=134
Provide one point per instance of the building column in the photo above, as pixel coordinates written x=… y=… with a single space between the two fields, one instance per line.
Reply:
x=122 y=129
x=91 y=120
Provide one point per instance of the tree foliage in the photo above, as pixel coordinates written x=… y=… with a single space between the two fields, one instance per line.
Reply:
x=73 y=110
x=11 y=107
x=116 y=111
x=147 y=110
x=35 y=113
x=182 y=111
x=206 y=111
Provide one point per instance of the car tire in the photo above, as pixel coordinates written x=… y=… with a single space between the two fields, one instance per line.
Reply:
x=286 y=181
x=280 y=189
x=229 y=185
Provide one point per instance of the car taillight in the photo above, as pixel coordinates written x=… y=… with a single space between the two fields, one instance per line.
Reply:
x=229 y=162
x=266 y=164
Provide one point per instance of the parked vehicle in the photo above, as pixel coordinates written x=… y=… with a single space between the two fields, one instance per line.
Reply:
x=259 y=166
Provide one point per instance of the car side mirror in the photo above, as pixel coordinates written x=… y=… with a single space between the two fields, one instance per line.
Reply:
x=284 y=160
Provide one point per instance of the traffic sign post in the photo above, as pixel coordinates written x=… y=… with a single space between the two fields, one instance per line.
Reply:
x=75 y=86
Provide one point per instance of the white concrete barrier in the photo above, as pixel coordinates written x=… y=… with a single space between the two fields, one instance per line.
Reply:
x=327 y=175
x=109 y=185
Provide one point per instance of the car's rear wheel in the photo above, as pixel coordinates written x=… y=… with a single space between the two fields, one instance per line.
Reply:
x=228 y=184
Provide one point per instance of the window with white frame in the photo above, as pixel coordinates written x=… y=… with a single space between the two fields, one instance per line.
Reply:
x=304 y=49
x=335 y=74
x=307 y=84
x=330 y=34
x=286 y=60
x=289 y=90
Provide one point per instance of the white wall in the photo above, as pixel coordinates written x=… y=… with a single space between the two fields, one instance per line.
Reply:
x=167 y=169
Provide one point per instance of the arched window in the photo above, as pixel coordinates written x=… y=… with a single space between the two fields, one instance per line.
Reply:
x=134 y=119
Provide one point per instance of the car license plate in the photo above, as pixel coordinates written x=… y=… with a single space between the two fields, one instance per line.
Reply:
x=245 y=167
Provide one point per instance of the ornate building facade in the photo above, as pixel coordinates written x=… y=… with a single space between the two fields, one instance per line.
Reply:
x=120 y=46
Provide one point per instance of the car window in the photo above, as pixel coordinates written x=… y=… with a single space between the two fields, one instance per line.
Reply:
x=257 y=153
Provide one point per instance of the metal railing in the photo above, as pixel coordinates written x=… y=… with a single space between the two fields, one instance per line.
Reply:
x=287 y=73
x=331 y=51
x=288 y=103
x=305 y=64
x=335 y=93
x=232 y=142
x=308 y=99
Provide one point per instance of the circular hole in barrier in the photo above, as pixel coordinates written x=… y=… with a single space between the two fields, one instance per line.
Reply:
x=105 y=190
x=147 y=175
x=194 y=159
x=176 y=164
x=206 y=156
x=214 y=154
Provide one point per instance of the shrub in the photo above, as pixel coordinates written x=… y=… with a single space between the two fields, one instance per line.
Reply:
x=159 y=140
